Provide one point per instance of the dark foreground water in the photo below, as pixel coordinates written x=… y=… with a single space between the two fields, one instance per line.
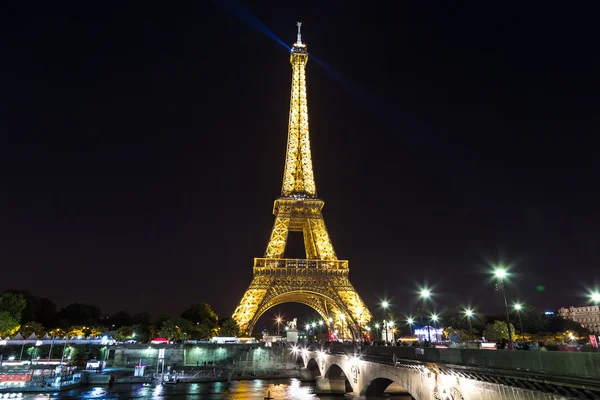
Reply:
x=282 y=389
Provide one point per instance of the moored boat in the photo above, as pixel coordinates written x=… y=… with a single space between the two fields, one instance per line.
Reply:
x=37 y=378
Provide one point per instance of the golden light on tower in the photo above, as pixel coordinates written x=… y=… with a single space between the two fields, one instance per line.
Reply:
x=321 y=280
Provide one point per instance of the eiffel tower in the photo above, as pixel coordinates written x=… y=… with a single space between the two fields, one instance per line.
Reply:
x=321 y=280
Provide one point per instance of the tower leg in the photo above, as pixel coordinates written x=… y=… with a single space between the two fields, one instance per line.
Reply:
x=278 y=239
x=253 y=297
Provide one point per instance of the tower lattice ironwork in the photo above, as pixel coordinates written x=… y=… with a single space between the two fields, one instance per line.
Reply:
x=321 y=280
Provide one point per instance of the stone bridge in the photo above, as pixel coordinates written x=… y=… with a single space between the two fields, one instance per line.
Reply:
x=429 y=373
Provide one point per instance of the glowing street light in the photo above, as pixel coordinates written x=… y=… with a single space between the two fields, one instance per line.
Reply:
x=279 y=320
x=518 y=307
x=425 y=294
x=500 y=274
x=469 y=314
x=410 y=321
x=595 y=296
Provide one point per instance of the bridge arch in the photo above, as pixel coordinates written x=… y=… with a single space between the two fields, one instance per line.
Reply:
x=335 y=372
x=313 y=369
x=379 y=387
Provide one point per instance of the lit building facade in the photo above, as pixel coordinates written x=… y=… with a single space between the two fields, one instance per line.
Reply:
x=588 y=316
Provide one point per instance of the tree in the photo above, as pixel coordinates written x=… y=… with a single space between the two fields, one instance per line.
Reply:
x=32 y=327
x=455 y=335
x=142 y=319
x=141 y=333
x=13 y=304
x=460 y=321
x=478 y=322
x=534 y=321
x=559 y=324
x=123 y=333
x=120 y=319
x=79 y=314
x=228 y=327
x=33 y=352
x=160 y=319
x=8 y=325
x=497 y=331
x=77 y=331
x=199 y=313
x=58 y=333
x=174 y=328
x=39 y=309
x=11 y=307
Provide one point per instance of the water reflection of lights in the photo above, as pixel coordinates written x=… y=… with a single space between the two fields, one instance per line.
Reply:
x=95 y=393
x=158 y=389
x=194 y=388
x=296 y=391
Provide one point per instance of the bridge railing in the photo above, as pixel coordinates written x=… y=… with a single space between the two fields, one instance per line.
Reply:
x=584 y=364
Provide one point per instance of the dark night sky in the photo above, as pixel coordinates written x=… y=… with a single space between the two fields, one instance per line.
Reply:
x=143 y=145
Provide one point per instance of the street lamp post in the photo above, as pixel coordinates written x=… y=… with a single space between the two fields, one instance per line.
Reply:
x=385 y=328
x=425 y=295
x=518 y=307
x=434 y=319
x=410 y=322
x=469 y=314
x=278 y=320
x=385 y=304
x=500 y=274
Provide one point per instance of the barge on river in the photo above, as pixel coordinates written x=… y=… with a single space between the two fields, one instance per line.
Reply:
x=37 y=378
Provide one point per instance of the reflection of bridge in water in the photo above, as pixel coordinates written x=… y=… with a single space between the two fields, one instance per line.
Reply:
x=429 y=373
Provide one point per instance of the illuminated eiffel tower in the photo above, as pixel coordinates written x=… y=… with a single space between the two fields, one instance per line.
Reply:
x=321 y=280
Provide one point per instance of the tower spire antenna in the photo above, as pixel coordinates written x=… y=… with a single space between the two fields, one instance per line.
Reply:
x=299 y=40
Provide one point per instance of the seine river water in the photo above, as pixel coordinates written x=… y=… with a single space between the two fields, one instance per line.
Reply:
x=282 y=389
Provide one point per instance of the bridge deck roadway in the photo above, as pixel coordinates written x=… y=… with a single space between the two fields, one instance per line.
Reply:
x=552 y=375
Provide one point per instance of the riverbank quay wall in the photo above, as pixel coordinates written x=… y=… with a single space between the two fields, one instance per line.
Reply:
x=205 y=355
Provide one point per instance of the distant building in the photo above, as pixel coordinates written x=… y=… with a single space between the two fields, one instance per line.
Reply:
x=588 y=316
